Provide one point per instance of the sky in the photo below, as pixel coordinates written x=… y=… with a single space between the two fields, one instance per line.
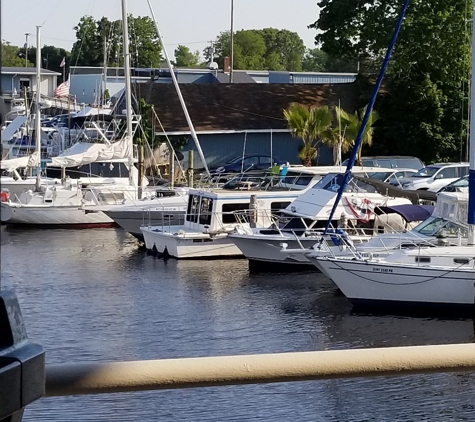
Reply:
x=187 y=22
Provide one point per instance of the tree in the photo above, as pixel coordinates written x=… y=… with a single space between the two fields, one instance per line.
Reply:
x=424 y=101
x=264 y=49
x=144 y=45
x=308 y=124
x=10 y=56
x=314 y=60
x=334 y=137
x=184 y=57
x=351 y=124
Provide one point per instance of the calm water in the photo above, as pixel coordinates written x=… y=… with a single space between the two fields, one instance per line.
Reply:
x=94 y=295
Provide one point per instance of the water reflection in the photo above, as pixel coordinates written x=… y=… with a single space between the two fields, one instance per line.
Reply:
x=95 y=295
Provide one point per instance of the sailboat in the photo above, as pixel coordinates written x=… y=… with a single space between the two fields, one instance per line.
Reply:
x=61 y=205
x=440 y=277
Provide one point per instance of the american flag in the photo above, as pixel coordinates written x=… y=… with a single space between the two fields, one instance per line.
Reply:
x=62 y=90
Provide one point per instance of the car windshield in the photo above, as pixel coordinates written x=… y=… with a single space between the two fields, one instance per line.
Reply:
x=426 y=172
x=382 y=175
x=460 y=183
x=235 y=160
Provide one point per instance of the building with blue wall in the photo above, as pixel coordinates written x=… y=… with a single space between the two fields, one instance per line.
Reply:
x=235 y=119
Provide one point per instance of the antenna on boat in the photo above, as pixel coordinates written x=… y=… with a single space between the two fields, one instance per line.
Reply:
x=180 y=97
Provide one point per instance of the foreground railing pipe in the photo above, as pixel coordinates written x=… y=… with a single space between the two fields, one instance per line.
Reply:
x=94 y=378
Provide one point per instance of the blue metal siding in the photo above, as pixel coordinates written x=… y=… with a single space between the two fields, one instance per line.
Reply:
x=279 y=77
x=220 y=148
x=322 y=79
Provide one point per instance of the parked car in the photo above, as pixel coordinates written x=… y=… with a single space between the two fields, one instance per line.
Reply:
x=248 y=162
x=392 y=177
x=391 y=162
x=435 y=176
x=460 y=185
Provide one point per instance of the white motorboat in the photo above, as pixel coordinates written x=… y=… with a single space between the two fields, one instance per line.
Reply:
x=304 y=219
x=154 y=211
x=211 y=215
x=426 y=277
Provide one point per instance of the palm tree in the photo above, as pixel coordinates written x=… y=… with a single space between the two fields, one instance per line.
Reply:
x=351 y=125
x=335 y=139
x=308 y=124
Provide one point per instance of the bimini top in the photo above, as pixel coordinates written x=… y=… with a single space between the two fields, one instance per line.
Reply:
x=410 y=212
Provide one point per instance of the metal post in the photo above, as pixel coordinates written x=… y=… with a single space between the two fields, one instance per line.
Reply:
x=471 y=177
x=190 y=168
x=128 y=88
x=231 y=47
x=38 y=110
x=141 y=171
x=172 y=165
x=26 y=49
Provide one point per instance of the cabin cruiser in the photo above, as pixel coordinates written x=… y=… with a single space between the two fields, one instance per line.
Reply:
x=302 y=222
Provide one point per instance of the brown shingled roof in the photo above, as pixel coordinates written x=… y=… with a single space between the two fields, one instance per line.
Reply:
x=221 y=107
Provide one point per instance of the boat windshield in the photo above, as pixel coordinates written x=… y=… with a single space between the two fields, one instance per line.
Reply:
x=426 y=172
x=333 y=181
x=434 y=226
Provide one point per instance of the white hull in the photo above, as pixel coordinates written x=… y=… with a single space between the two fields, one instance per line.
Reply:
x=267 y=249
x=372 y=282
x=132 y=220
x=51 y=216
x=196 y=245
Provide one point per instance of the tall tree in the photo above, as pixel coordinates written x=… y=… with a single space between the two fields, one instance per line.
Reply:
x=144 y=46
x=264 y=49
x=309 y=124
x=425 y=88
x=185 y=57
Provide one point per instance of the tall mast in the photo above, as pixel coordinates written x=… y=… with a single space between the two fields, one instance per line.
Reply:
x=38 y=111
x=471 y=177
x=180 y=97
x=128 y=89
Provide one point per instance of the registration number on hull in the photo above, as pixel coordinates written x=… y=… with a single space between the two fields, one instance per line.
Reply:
x=382 y=270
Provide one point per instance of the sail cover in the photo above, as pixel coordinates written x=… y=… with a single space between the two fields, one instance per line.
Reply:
x=82 y=153
x=26 y=161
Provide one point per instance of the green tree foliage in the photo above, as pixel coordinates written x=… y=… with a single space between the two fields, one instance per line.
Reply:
x=309 y=124
x=425 y=88
x=185 y=57
x=51 y=57
x=11 y=56
x=263 y=49
x=144 y=45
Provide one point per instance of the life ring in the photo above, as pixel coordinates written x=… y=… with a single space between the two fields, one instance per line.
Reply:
x=361 y=208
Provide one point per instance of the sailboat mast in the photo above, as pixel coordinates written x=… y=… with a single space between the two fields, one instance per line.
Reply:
x=128 y=88
x=471 y=177
x=182 y=101
x=38 y=110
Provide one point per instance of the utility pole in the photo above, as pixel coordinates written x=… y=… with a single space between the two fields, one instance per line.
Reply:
x=231 y=53
x=26 y=48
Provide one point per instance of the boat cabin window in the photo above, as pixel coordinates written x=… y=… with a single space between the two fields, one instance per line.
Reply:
x=433 y=226
x=422 y=259
x=229 y=210
x=299 y=179
x=277 y=206
x=462 y=261
x=206 y=209
x=193 y=208
x=298 y=224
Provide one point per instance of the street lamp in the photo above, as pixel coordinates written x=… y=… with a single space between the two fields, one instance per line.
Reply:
x=26 y=48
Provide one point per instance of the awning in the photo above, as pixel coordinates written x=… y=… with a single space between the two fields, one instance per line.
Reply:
x=410 y=212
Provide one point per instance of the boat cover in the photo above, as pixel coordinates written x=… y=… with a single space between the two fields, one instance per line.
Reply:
x=31 y=160
x=410 y=212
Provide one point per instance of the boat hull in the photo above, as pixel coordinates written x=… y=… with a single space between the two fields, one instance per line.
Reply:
x=377 y=283
x=132 y=220
x=192 y=247
x=54 y=216
x=265 y=253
